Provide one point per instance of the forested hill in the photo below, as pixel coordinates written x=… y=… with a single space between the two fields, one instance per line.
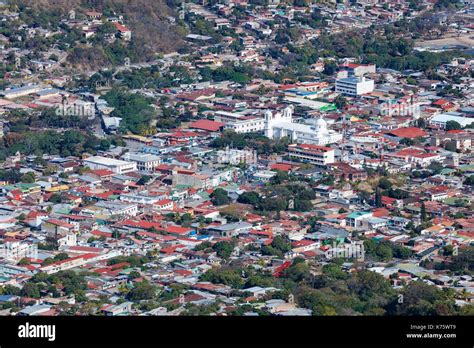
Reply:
x=152 y=32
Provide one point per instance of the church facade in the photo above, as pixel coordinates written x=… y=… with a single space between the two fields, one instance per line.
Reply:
x=280 y=125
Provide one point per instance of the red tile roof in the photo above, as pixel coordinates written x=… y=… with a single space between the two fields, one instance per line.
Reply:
x=207 y=125
x=281 y=268
x=456 y=131
x=120 y=27
x=59 y=223
x=102 y=172
x=86 y=249
x=281 y=166
x=441 y=102
x=408 y=132
x=177 y=230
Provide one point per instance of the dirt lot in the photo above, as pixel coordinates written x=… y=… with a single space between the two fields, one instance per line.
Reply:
x=466 y=40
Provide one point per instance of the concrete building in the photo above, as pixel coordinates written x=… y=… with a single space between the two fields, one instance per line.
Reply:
x=360 y=69
x=319 y=155
x=145 y=162
x=240 y=123
x=17 y=250
x=356 y=219
x=117 y=208
x=20 y=91
x=354 y=86
x=441 y=119
x=230 y=230
x=116 y=166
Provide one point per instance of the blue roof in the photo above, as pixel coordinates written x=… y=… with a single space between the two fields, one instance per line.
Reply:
x=7 y=298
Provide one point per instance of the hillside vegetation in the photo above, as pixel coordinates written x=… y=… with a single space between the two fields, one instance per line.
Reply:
x=151 y=31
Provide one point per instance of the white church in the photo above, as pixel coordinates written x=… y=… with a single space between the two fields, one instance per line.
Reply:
x=281 y=125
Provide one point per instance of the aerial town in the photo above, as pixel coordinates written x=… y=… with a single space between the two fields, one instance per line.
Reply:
x=236 y=157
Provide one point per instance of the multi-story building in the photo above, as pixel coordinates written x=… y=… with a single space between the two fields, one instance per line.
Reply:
x=319 y=155
x=145 y=162
x=113 y=208
x=117 y=166
x=440 y=120
x=360 y=69
x=240 y=123
x=17 y=250
x=356 y=219
x=354 y=86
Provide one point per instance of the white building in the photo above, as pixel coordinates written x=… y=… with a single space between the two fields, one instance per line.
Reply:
x=17 y=250
x=143 y=197
x=145 y=162
x=18 y=92
x=116 y=166
x=281 y=125
x=354 y=86
x=117 y=208
x=164 y=204
x=441 y=119
x=264 y=175
x=240 y=123
x=319 y=155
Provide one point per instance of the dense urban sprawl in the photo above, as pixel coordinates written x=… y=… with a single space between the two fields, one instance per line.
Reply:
x=236 y=157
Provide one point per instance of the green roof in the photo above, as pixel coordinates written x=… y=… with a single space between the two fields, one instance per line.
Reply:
x=329 y=107
x=447 y=171
x=357 y=214
x=467 y=168
x=182 y=187
x=232 y=186
x=25 y=187
x=204 y=195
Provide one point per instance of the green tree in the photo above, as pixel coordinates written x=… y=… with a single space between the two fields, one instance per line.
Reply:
x=24 y=261
x=453 y=125
x=378 y=198
x=28 y=178
x=61 y=256
x=30 y=290
x=423 y=213
x=469 y=180
x=420 y=298
x=219 y=197
x=340 y=102
x=143 y=180
x=297 y=272
x=250 y=197
x=334 y=271
x=142 y=291
x=226 y=276
x=55 y=198
x=223 y=249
